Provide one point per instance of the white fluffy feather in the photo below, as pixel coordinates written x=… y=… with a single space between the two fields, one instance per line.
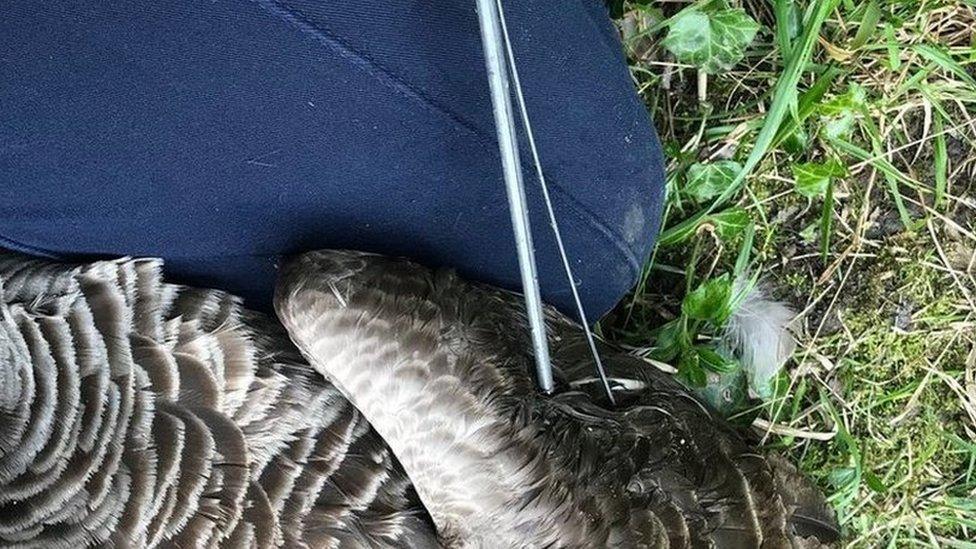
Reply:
x=758 y=334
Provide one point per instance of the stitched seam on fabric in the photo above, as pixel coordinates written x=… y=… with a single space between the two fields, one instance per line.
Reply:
x=376 y=70
x=591 y=219
x=361 y=60
x=16 y=246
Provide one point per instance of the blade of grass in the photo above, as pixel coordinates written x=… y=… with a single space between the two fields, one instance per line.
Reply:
x=894 y=48
x=785 y=11
x=783 y=97
x=868 y=26
x=742 y=261
x=943 y=60
x=826 y=217
x=892 y=175
x=941 y=163
x=807 y=104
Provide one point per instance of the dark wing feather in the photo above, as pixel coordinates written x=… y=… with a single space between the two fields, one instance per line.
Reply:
x=439 y=363
x=138 y=413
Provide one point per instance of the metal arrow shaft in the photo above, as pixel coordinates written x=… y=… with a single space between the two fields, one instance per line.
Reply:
x=501 y=100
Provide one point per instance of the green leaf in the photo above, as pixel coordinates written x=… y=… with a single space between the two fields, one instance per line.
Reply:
x=711 y=39
x=843 y=476
x=731 y=222
x=742 y=261
x=710 y=301
x=894 y=47
x=826 y=218
x=706 y=181
x=807 y=104
x=868 y=26
x=710 y=360
x=669 y=341
x=797 y=141
x=812 y=179
x=726 y=393
x=874 y=482
x=944 y=60
x=691 y=369
x=941 y=163
x=855 y=99
x=787 y=25
x=784 y=95
x=840 y=127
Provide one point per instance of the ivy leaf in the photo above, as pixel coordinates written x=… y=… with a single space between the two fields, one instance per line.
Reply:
x=712 y=361
x=669 y=341
x=711 y=39
x=726 y=393
x=690 y=367
x=710 y=301
x=840 y=127
x=731 y=222
x=813 y=179
x=840 y=114
x=843 y=477
x=874 y=482
x=706 y=181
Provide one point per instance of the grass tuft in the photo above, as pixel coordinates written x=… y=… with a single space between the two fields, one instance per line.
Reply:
x=872 y=103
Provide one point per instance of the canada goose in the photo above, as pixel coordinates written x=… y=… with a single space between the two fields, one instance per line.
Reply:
x=135 y=413
x=441 y=368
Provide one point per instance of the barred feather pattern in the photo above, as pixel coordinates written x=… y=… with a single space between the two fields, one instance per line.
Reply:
x=137 y=413
x=442 y=369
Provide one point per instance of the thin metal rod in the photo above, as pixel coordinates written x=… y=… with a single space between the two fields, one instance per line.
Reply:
x=548 y=201
x=501 y=101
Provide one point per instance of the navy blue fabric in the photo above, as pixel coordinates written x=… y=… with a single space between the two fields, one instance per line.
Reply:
x=221 y=135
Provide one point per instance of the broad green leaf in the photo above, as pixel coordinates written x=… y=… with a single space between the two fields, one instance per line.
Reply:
x=854 y=99
x=731 y=222
x=797 y=141
x=710 y=301
x=840 y=113
x=874 y=482
x=840 y=127
x=706 y=181
x=669 y=341
x=710 y=360
x=868 y=25
x=726 y=393
x=690 y=367
x=843 y=476
x=711 y=39
x=812 y=179
x=784 y=95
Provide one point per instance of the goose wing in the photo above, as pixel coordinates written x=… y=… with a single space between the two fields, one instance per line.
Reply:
x=139 y=413
x=442 y=369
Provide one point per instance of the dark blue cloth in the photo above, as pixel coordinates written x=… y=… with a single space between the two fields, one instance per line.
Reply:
x=222 y=134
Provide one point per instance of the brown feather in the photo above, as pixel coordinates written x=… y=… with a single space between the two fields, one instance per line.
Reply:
x=441 y=368
x=137 y=413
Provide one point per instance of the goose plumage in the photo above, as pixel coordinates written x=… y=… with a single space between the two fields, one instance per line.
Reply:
x=138 y=413
x=442 y=367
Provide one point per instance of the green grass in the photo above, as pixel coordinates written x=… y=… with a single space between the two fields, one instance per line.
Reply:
x=878 y=404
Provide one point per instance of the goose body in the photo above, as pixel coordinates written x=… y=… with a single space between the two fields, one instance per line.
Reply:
x=442 y=369
x=135 y=413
